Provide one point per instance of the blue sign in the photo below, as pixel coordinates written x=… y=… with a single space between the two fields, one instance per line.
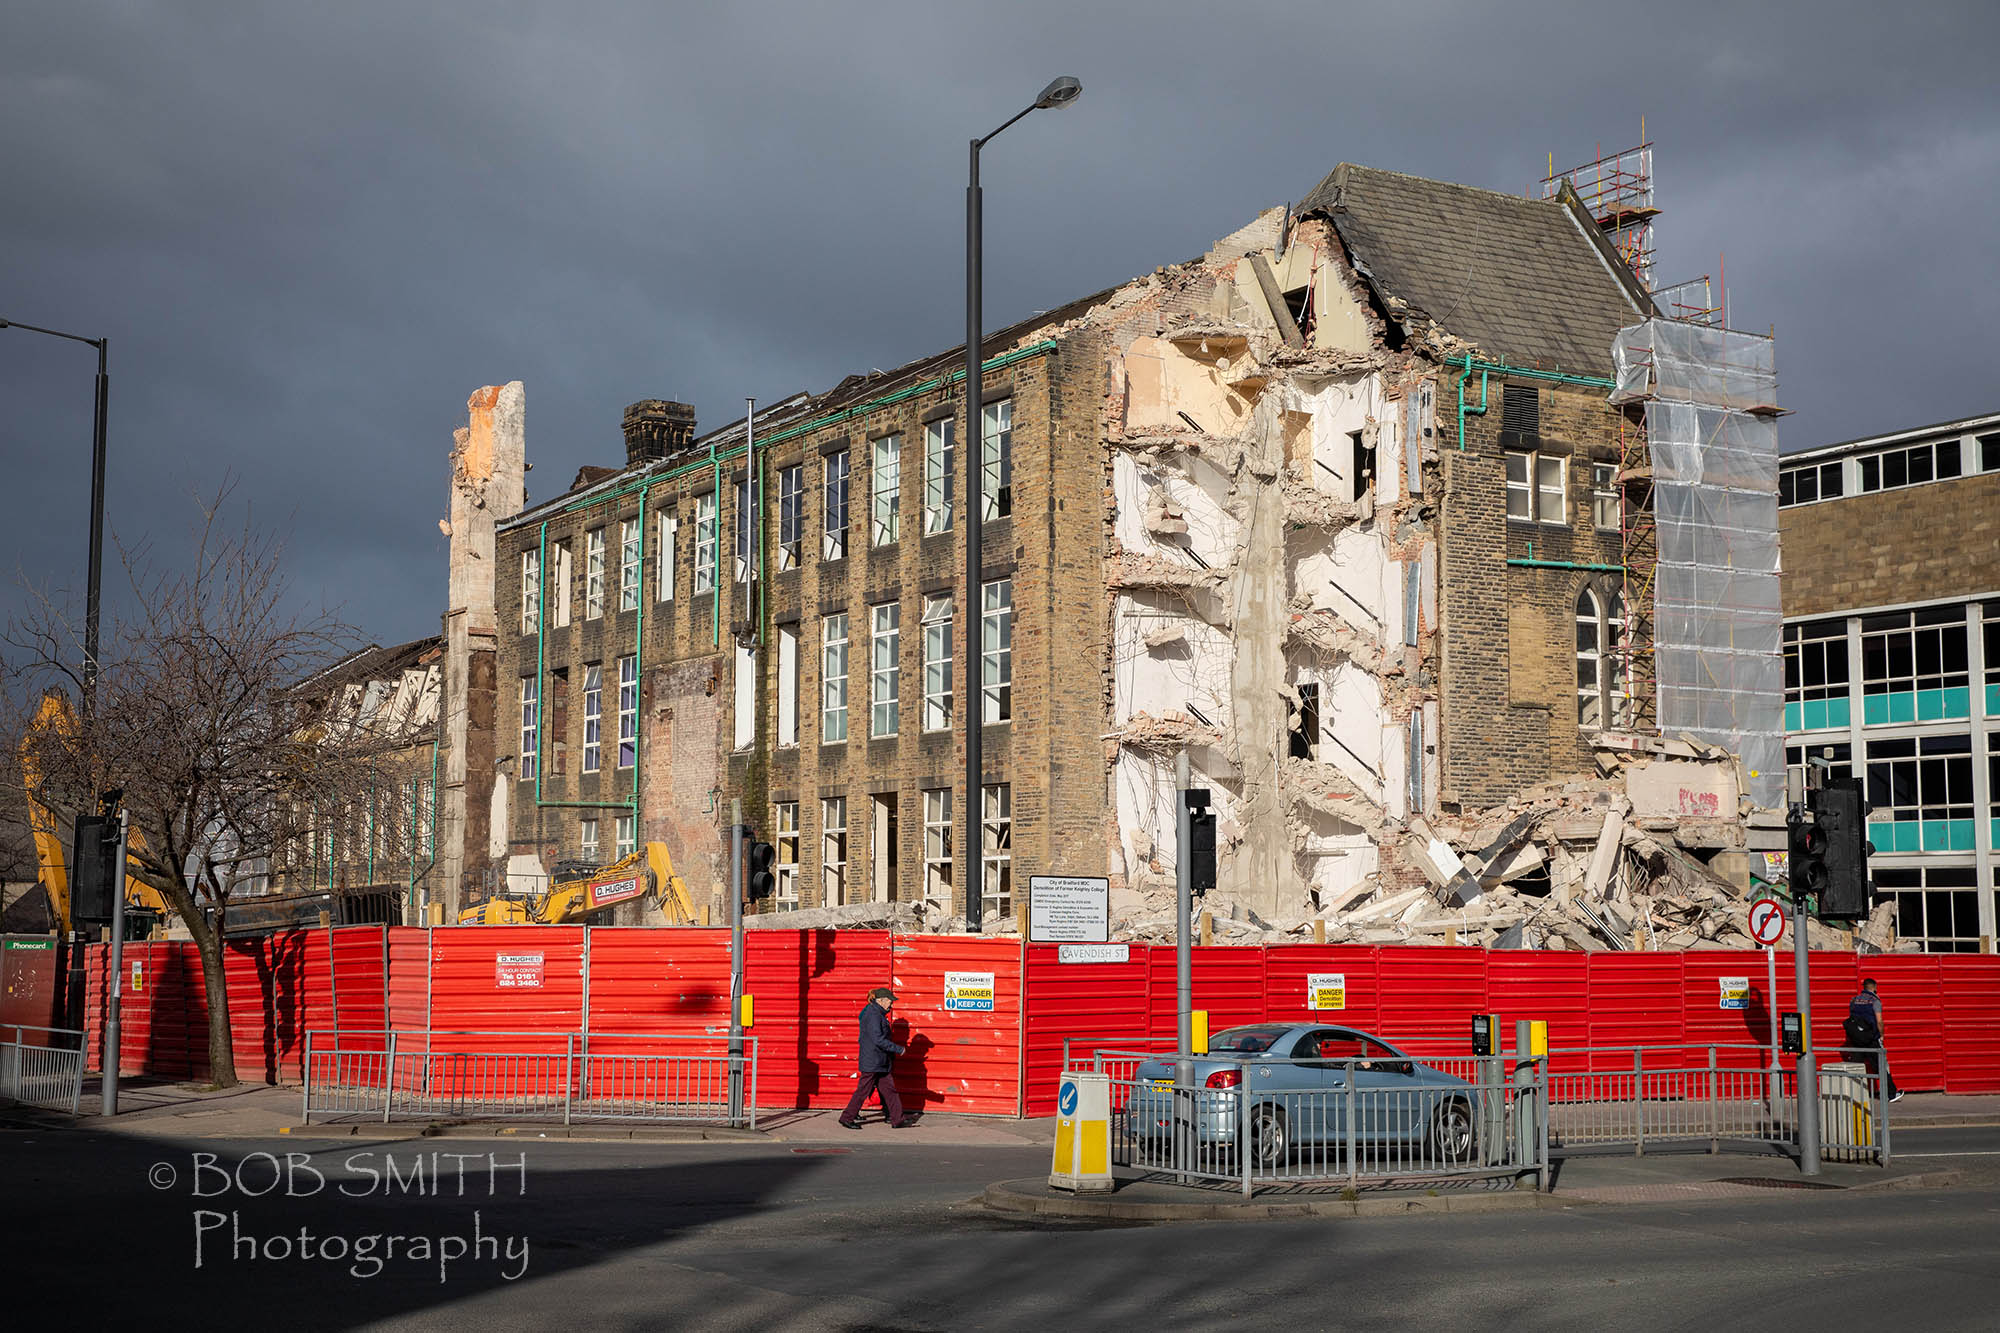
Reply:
x=1066 y=1099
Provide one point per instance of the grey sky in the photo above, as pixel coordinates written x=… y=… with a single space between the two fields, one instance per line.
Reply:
x=310 y=232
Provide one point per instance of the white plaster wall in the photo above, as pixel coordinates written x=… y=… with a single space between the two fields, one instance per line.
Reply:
x=1196 y=493
x=1164 y=379
x=1162 y=682
x=1340 y=406
x=1351 y=710
x=1143 y=789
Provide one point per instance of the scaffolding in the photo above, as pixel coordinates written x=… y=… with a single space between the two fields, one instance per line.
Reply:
x=1617 y=190
x=1703 y=473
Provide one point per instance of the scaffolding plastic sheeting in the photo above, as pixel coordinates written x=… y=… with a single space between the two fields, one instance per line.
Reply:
x=1679 y=361
x=1717 y=624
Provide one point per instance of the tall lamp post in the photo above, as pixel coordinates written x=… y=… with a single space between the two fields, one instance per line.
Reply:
x=1058 y=94
x=96 y=508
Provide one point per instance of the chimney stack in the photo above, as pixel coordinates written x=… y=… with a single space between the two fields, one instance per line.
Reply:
x=655 y=428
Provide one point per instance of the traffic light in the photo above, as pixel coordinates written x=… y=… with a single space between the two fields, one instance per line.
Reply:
x=1201 y=842
x=760 y=881
x=1808 y=856
x=1842 y=818
x=90 y=885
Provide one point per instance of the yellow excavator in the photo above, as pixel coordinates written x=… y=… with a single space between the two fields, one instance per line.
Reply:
x=53 y=715
x=647 y=874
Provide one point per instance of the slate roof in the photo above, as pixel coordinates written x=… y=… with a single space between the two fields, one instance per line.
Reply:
x=1530 y=282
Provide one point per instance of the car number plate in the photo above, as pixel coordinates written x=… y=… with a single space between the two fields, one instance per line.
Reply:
x=1163 y=1082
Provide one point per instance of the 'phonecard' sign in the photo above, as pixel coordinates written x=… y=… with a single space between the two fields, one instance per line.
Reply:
x=1326 y=990
x=969 y=991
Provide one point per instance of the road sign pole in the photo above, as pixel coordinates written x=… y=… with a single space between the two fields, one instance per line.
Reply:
x=1808 y=1070
x=1183 y=987
x=736 y=961
x=1771 y=989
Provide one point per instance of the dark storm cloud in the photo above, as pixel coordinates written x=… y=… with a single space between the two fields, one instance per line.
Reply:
x=310 y=233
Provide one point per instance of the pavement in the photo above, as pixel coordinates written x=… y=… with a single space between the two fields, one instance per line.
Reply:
x=177 y=1111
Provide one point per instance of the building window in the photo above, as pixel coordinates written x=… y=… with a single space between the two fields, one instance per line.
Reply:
x=1914 y=666
x=746 y=696
x=1816 y=675
x=788 y=686
x=1535 y=488
x=1361 y=459
x=742 y=528
x=531 y=591
x=996 y=652
x=791 y=514
x=833 y=679
x=832 y=851
x=593 y=717
x=586 y=836
x=884 y=527
x=593 y=574
x=1589 y=660
x=631 y=540
x=1809 y=482
x=833 y=541
x=1913 y=465
x=1991 y=616
x=531 y=727
x=1604 y=495
x=1913 y=780
x=884 y=667
x=1989 y=452
x=670 y=531
x=1935 y=905
x=996 y=850
x=1839 y=757
x=628 y=711
x=627 y=833
x=937 y=476
x=996 y=464
x=704 y=543
x=937 y=845
x=561 y=572
x=556 y=713
x=937 y=662
x=1521 y=410
x=785 y=823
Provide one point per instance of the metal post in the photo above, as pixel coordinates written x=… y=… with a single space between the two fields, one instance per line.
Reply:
x=388 y=1083
x=974 y=446
x=1183 y=985
x=735 y=962
x=1542 y=1119
x=1777 y=1076
x=92 y=598
x=306 y=1083
x=1524 y=1112
x=569 y=1071
x=1714 y=1108
x=1243 y=1123
x=1638 y=1102
x=1808 y=1071
x=1353 y=1137
x=113 y=1045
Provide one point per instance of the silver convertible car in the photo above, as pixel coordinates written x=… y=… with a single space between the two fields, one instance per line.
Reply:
x=1296 y=1078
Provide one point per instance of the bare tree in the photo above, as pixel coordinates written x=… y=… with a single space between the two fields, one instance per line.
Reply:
x=196 y=722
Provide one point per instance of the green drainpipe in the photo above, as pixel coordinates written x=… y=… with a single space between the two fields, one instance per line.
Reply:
x=1564 y=564
x=1517 y=372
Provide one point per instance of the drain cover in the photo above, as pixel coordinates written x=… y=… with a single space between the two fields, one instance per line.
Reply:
x=1778 y=1183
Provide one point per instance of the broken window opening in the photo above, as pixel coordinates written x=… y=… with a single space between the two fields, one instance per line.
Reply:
x=997 y=652
x=996 y=475
x=885 y=517
x=1363 y=469
x=791 y=514
x=531 y=727
x=1604 y=507
x=1305 y=734
x=996 y=844
x=833 y=851
x=559 y=585
x=785 y=819
x=628 y=711
x=558 y=720
x=937 y=845
x=745 y=543
x=937 y=662
x=938 y=452
x=883 y=844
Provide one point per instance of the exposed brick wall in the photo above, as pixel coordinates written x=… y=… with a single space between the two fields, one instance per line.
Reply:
x=1921 y=542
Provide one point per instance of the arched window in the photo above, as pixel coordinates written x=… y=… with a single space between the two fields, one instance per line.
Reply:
x=1616 y=662
x=1589 y=660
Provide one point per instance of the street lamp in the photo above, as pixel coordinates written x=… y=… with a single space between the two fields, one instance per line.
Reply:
x=1058 y=94
x=96 y=509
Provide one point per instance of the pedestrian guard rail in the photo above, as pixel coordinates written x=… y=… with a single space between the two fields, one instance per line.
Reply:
x=1259 y=1121
x=430 y=1074
x=41 y=1067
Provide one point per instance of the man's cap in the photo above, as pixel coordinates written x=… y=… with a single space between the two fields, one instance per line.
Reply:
x=881 y=993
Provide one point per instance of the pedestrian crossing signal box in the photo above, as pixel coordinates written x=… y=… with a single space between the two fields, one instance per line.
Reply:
x=1486 y=1034
x=1791 y=1035
x=1083 y=1133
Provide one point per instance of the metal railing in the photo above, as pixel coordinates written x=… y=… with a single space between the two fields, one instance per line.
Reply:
x=41 y=1067
x=1257 y=1121
x=1723 y=1096
x=416 y=1074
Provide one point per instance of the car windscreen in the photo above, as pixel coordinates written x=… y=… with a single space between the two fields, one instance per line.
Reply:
x=1245 y=1041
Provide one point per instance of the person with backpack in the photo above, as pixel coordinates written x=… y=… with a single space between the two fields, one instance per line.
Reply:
x=1864 y=1033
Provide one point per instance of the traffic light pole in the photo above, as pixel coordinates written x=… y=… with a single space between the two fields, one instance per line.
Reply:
x=1808 y=1072
x=735 y=962
x=113 y=1035
x=1183 y=968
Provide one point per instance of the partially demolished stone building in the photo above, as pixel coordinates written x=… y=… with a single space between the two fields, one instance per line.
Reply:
x=1356 y=511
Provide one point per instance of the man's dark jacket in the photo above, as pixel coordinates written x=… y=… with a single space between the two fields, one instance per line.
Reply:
x=876 y=1048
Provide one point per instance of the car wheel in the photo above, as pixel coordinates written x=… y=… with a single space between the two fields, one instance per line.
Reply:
x=1268 y=1142
x=1452 y=1132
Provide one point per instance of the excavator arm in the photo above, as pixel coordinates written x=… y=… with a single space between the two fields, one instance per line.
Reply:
x=53 y=717
x=646 y=873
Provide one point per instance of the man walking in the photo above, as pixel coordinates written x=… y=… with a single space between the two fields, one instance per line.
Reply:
x=877 y=1051
x=1864 y=1032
